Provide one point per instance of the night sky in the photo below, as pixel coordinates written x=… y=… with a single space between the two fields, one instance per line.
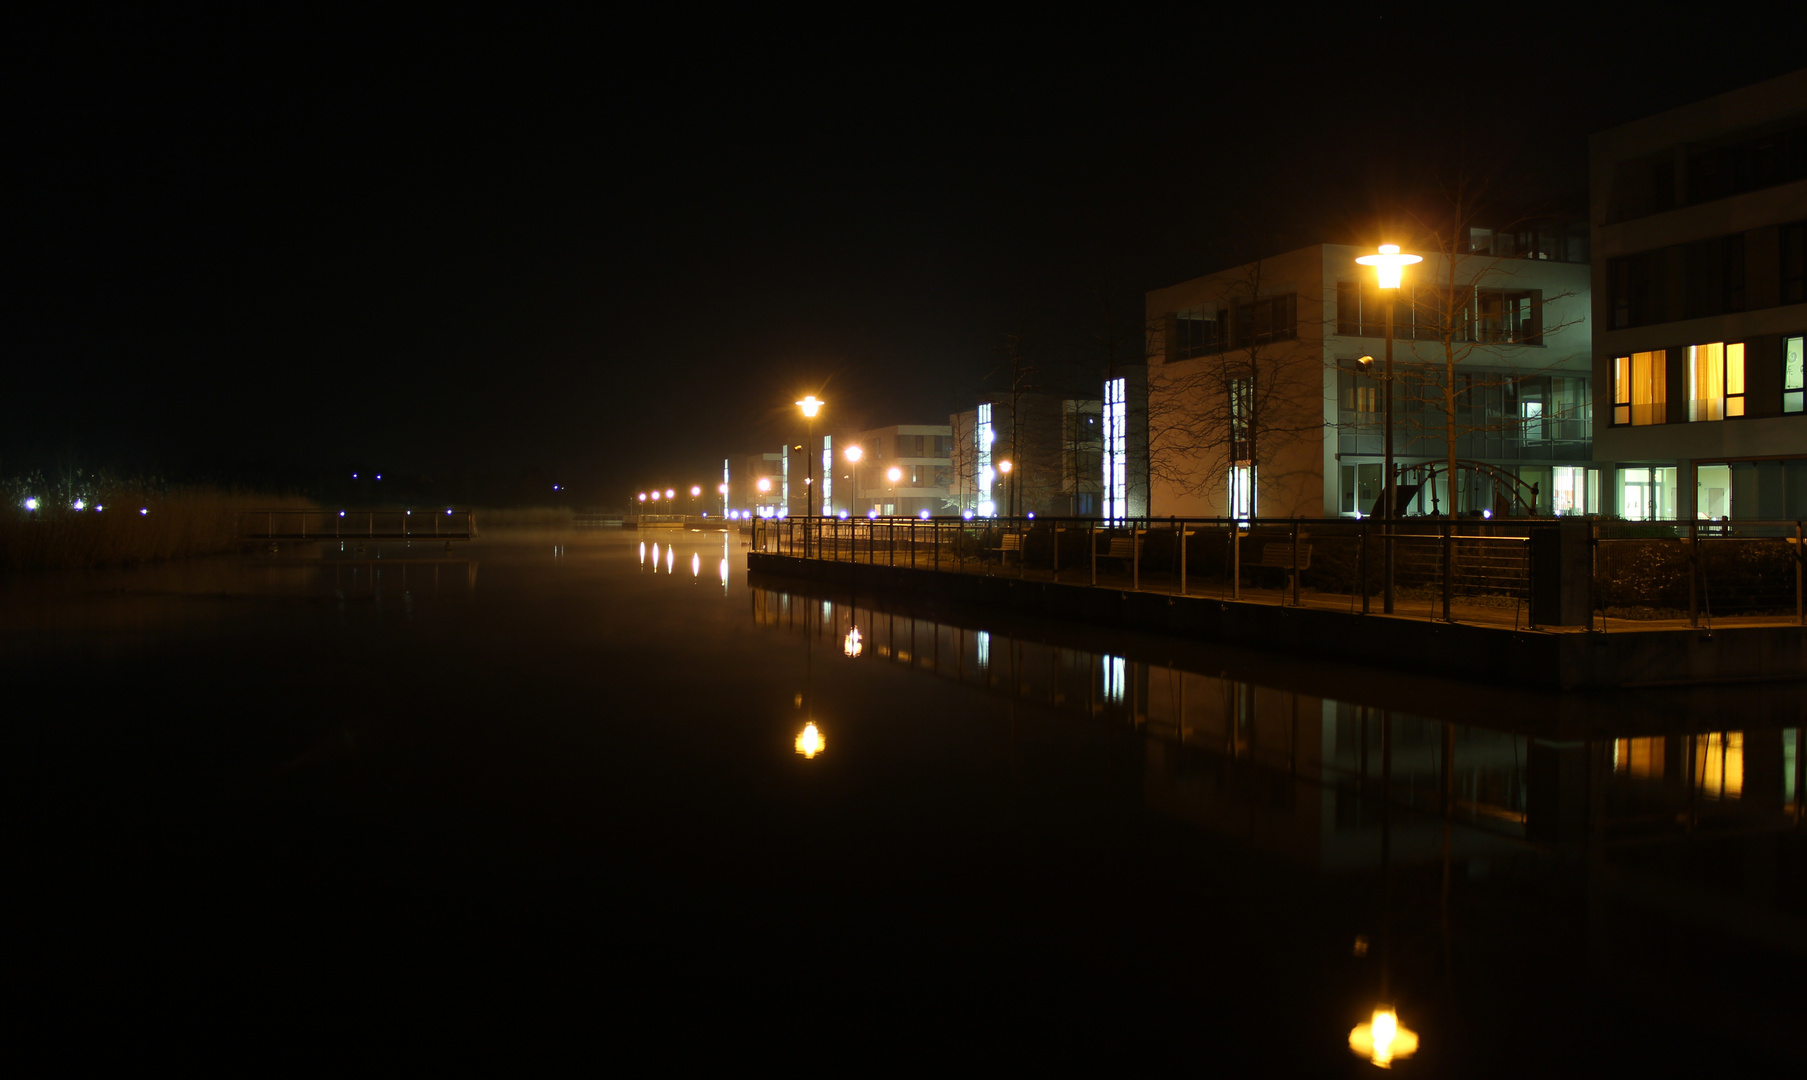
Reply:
x=614 y=250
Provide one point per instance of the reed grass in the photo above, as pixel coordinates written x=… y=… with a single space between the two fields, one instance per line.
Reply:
x=121 y=522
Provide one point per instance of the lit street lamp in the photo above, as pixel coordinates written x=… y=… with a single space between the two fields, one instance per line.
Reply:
x=1388 y=268
x=1004 y=468
x=894 y=474
x=810 y=407
x=723 y=489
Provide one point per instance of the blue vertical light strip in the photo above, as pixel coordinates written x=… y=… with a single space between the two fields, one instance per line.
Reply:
x=1113 y=678
x=1116 y=450
x=828 y=474
x=986 y=435
x=983 y=643
x=785 y=459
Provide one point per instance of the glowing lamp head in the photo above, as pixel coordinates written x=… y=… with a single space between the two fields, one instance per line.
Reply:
x=870 y=514
x=31 y=503
x=924 y=515
x=854 y=453
x=670 y=494
x=721 y=489
x=643 y=496
x=811 y=406
x=894 y=474
x=1388 y=264
x=695 y=491
x=764 y=485
x=1005 y=467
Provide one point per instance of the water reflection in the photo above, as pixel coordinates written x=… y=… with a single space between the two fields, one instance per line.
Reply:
x=1338 y=763
x=810 y=741
x=1383 y=1040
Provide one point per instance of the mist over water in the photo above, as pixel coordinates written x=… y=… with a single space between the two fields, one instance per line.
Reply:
x=601 y=784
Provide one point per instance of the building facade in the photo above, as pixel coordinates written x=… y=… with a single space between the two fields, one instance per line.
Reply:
x=1266 y=387
x=903 y=469
x=1036 y=452
x=1701 y=304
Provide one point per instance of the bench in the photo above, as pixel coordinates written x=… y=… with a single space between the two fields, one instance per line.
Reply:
x=1123 y=549
x=1008 y=543
x=1279 y=556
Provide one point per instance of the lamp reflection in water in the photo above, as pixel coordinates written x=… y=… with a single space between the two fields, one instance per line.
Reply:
x=696 y=565
x=852 y=646
x=810 y=741
x=671 y=558
x=1383 y=1040
x=642 y=553
x=655 y=557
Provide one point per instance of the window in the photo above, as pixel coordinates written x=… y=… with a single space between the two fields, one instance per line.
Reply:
x=1750 y=165
x=1646 y=494
x=1195 y=333
x=1635 y=286
x=1793 y=387
x=1242 y=492
x=1272 y=319
x=1794 y=263
x=1242 y=418
x=1360 y=311
x=1116 y=450
x=1713 y=276
x=1508 y=315
x=1715 y=381
x=1361 y=487
x=1638 y=389
x=1568 y=490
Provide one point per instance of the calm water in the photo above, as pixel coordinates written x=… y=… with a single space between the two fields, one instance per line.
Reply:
x=551 y=787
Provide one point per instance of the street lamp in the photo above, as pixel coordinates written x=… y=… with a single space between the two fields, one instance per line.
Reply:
x=1004 y=468
x=894 y=474
x=810 y=407
x=723 y=489
x=853 y=454
x=1389 y=266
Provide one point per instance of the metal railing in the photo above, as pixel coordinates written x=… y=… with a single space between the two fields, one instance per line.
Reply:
x=1464 y=569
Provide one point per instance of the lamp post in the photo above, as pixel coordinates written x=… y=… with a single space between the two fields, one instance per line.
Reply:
x=1004 y=468
x=1388 y=265
x=894 y=474
x=810 y=407
x=723 y=488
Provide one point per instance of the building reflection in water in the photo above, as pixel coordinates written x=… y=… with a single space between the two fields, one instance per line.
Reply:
x=1334 y=763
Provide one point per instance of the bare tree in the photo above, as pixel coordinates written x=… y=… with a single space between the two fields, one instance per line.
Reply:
x=1476 y=303
x=1235 y=392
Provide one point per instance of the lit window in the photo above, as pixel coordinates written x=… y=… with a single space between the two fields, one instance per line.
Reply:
x=1638 y=389
x=1715 y=381
x=1638 y=757
x=1116 y=450
x=1568 y=490
x=1794 y=388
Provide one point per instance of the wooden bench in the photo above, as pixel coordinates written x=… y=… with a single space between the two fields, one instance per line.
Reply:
x=1279 y=556
x=1008 y=543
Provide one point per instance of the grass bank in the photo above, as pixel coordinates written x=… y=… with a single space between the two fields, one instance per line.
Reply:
x=115 y=523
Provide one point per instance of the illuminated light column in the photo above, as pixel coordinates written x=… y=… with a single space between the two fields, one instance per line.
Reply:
x=1389 y=266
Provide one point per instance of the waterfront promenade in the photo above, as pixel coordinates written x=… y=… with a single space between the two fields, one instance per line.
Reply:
x=1487 y=635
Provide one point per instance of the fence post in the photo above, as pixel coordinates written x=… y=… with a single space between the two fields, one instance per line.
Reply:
x=1135 y=557
x=1235 y=561
x=1295 y=562
x=1182 y=535
x=1362 y=560
x=1449 y=562
x=1693 y=574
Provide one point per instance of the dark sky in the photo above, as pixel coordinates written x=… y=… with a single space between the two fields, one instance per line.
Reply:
x=615 y=249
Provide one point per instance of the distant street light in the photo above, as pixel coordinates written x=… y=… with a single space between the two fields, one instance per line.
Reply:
x=1389 y=266
x=1383 y=1039
x=1004 y=467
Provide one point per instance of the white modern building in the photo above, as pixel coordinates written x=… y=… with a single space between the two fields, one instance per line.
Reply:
x=1266 y=382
